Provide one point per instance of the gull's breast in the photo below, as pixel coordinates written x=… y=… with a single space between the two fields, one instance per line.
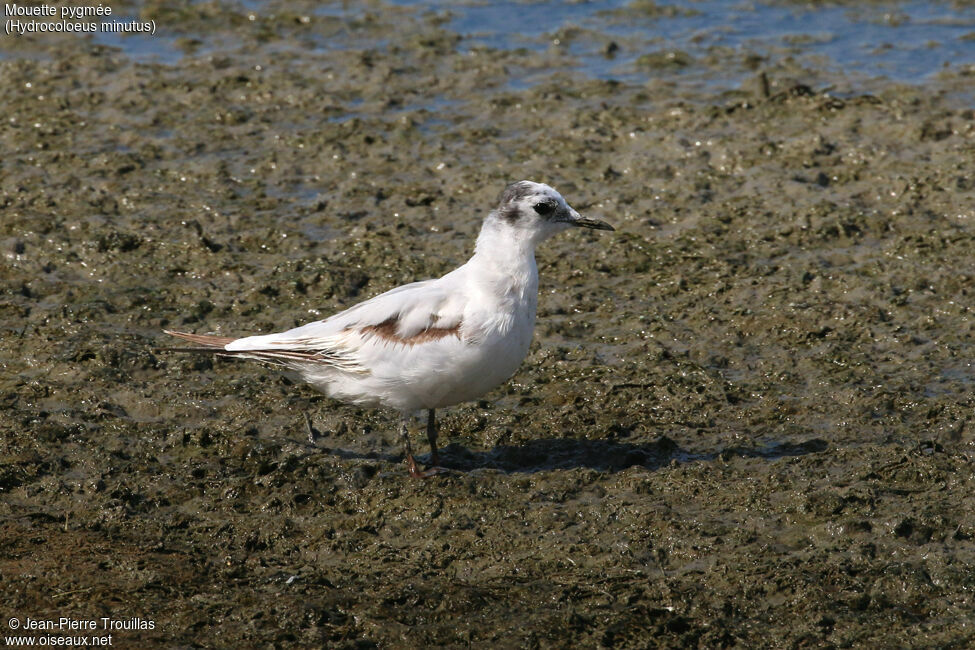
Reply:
x=491 y=352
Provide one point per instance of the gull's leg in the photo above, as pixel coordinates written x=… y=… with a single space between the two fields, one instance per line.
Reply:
x=432 y=437
x=411 y=465
x=410 y=461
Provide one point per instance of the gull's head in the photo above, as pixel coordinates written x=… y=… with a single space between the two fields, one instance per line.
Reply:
x=533 y=212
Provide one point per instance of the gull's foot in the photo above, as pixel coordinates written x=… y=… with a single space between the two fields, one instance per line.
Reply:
x=416 y=472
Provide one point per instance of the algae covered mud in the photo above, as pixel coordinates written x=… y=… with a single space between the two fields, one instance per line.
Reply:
x=745 y=420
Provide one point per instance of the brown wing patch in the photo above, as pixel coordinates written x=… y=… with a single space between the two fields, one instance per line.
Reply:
x=386 y=330
x=203 y=339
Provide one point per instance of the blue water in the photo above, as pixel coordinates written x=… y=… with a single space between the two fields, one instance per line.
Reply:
x=902 y=41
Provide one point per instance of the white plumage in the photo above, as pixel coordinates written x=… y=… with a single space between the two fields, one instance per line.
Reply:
x=435 y=343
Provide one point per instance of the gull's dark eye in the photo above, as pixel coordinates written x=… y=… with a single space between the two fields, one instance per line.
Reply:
x=544 y=209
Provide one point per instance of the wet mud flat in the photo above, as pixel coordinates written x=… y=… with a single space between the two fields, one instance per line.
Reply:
x=744 y=420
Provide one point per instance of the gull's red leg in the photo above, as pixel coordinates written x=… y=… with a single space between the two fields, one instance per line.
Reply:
x=411 y=464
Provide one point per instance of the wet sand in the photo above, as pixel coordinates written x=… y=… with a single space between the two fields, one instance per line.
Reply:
x=744 y=420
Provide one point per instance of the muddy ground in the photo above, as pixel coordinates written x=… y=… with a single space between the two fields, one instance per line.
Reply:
x=745 y=420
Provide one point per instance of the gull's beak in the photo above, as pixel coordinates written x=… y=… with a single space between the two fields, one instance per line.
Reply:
x=575 y=219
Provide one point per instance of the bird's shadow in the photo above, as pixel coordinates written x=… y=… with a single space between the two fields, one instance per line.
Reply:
x=548 y=454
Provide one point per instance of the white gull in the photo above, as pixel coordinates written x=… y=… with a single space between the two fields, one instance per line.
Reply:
x=429 y=344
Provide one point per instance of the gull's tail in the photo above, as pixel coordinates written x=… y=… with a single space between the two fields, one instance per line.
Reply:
x=218 y=345
x=208 y=343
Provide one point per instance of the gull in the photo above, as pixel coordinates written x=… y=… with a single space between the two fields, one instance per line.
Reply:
x=430 y=344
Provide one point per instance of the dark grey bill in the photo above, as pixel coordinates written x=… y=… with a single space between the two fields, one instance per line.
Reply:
x=595 y=224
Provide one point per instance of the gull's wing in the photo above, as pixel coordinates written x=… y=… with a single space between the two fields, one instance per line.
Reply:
x=409 y=315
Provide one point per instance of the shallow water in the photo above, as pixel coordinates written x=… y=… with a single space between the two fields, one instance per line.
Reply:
x=636 y=40
x=745 y=417
x=902 y=41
